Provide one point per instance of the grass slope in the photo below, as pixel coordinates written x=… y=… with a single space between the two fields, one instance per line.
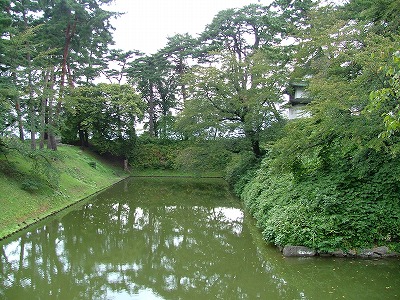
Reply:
x=81 y=174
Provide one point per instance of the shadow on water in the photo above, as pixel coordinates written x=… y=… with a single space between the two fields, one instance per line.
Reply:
x=173 y=238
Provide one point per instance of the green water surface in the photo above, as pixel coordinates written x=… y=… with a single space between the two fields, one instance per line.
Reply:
x=174 y=238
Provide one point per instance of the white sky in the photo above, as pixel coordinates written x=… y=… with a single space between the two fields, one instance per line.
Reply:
x=146 y=24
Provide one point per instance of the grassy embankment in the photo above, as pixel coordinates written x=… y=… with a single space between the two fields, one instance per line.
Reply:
x=81 y=174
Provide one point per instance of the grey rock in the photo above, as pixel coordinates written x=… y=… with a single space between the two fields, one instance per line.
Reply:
x=352 y=253
x=382 y=251
x=298 y=251
x=339 y=253
x=368 y=253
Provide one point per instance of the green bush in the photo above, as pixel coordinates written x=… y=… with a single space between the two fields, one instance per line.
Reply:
x=345 y=208
x=154 y=155
x=241 y=170
x=187 y=156
x=31 y=184
x=202 y=157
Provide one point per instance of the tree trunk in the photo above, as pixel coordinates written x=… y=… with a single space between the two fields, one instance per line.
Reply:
x=181 y=73
x=255 y=142
x=81 y=139
x=69 y=33
x=32 y=115
x=33 y=140
x=42 y=122
x=19 y=119
x=31 y=104
x=151 y=112
x=18 y=110
x=44 y=101
x=126 y=165
x=86 y=139
x=51 y=141
x=256 y=147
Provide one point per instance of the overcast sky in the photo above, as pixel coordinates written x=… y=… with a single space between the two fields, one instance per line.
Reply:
x=146 y=24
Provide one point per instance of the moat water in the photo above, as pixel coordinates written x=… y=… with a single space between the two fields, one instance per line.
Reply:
x=173 y=238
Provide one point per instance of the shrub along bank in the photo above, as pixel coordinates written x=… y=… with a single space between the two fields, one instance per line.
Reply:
x=326 y=211
x=34 y=185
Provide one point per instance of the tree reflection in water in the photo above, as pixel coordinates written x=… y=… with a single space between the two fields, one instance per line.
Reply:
x=158 y=239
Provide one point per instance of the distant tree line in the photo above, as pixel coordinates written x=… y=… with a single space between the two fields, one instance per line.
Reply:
x=229 y=81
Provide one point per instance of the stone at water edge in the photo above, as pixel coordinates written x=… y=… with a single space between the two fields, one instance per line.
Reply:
x=298 y=251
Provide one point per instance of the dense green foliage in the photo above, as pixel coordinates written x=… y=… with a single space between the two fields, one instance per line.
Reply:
x=341 y=209
x=387 y=99
x=106 y=113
